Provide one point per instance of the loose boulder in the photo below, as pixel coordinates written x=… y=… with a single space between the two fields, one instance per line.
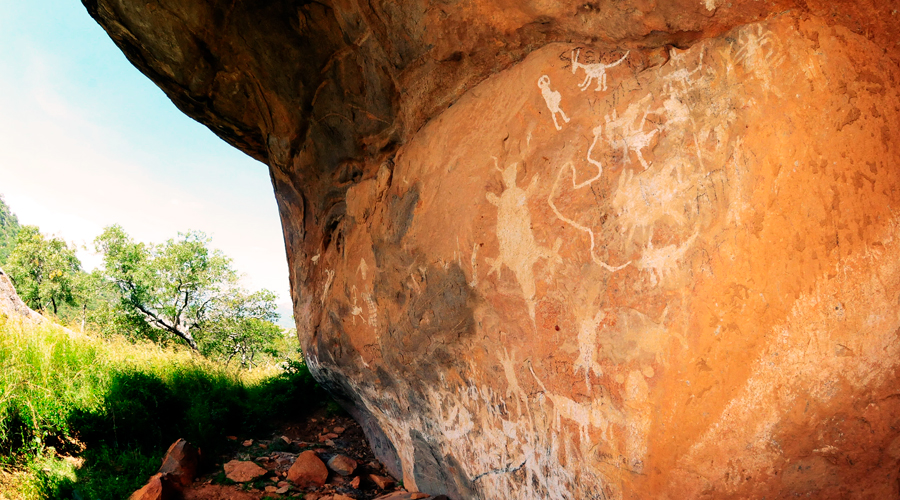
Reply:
x=180 y=462
x=308 y=470
x=159 y=487
x=242 y=471
x=342 y=464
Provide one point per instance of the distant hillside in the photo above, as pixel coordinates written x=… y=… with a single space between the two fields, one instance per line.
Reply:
x=9 y=228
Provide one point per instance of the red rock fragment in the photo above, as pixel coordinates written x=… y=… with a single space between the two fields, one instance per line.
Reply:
x=180 y=462
x=241 y=472
x=342 y=464
x=159 y=487
x=381 y=481
x=355 y=483
x=308 y=470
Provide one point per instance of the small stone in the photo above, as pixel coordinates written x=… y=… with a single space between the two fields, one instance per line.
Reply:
x=271 y=489
x=419 y=496
x=355 y=483
x=342 y=497
x=241 y=472
x=308 y=470
x=329 y=442
x=332 y=435
x=282 y=490
x=339 y=430
x=282 y=484
x=381 y=481
x=264 y=446
x=231 y=438
x=248 y=442
x=342 y=464
x=286 y=439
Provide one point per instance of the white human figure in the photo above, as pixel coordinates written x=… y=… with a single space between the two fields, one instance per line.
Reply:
x=552 y=98
x=593 y=71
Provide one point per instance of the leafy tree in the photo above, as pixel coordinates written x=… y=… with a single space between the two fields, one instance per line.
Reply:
x=184 y=289
x=240 y=325
x=44 y=271
x=9 y=228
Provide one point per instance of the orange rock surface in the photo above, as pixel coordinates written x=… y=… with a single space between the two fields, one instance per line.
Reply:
x=557 y=250
x=308 y=470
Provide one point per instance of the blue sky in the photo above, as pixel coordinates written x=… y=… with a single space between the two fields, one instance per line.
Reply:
x=87 y=141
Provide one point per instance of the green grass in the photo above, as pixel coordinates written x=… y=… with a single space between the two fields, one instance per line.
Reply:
x=90 y=418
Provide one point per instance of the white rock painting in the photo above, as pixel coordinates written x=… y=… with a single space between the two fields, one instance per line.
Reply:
x=518 y=249
x=553 y=99
x=595 y=71
x=590 y=232
x=629 y=134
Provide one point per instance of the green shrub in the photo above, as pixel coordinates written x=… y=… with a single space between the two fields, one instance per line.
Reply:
x=118 y=406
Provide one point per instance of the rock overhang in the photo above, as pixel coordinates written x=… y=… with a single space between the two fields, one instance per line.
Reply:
x=570 y=250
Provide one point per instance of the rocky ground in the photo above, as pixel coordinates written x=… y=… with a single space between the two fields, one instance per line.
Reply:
x=321 y=458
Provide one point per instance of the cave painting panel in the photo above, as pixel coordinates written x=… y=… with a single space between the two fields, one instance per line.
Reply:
x=642 y=199
x=603 y=242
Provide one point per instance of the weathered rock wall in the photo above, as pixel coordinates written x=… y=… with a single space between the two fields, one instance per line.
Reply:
x=577 y=250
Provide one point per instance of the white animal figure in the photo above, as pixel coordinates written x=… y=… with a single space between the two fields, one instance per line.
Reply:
x=552 y=98
x=623 y=133
x=681 y=80
x=593 y=71
x=519 y=251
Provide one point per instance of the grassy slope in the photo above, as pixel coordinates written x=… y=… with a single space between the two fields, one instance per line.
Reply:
x=82 y=417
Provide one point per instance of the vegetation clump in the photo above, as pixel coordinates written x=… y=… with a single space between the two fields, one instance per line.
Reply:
x=178 y=292
x=89 y=417
x=164 y=343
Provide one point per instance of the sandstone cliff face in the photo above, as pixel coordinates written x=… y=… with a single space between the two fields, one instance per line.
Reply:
x=561 y=250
